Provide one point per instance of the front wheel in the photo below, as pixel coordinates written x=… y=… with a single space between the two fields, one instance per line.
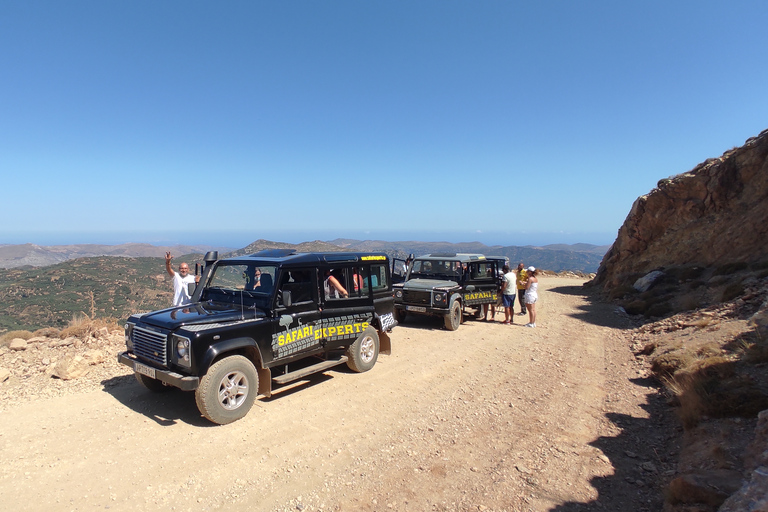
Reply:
x=364 y=352
x=453 y=318
x=400 y=315
x=226 y=393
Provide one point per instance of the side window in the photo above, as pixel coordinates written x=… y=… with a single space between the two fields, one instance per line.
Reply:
x=379 y=277
x=357 y=281
x=482 y=271
x=299 y=284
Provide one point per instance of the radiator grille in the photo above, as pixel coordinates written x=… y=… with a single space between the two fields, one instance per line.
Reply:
x=150 y=345
x=417 y=297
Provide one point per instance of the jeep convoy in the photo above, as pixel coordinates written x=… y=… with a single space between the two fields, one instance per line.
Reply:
x=272 y=317
x=277 y=316
x=447 y=285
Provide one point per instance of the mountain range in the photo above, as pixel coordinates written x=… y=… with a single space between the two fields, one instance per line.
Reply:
x=576 y=257
x=50 y=286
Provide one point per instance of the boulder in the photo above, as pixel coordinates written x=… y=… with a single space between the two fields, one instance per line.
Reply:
x=93 y=357
x=645 y=282
x=18 y=344
x=71 y=367
x=760 y=321
x=710 y=487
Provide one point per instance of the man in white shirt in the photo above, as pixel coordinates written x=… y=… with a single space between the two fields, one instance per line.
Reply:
x=508 y=290
x=181 y=281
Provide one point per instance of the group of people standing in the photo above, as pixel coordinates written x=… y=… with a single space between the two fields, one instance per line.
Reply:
x=524 y=284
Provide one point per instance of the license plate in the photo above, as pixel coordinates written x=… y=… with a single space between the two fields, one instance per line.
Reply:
x=417 y=309
x=144 y=369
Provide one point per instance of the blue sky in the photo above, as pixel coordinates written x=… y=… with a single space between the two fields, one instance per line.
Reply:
x=509 y=122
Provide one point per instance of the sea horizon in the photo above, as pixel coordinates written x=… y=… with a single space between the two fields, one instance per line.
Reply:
x=242 y=239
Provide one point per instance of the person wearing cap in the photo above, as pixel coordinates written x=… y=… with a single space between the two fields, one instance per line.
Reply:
x=531 y=295
x=522 y=275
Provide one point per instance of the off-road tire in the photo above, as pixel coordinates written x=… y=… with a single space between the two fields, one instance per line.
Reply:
x=151 y=384
x=364 y=352
x=227 y=391
x=400 y=315
x=453 y=318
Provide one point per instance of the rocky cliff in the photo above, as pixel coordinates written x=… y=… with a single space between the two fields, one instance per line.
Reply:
x=714 y=215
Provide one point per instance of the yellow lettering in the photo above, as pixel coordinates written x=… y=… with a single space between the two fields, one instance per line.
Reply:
x=281 y=340
x=365 y=325
x=348 y=329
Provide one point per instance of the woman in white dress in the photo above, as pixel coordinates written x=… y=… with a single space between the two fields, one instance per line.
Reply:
x=531 y=295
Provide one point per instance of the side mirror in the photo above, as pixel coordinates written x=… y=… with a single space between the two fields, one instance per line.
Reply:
x=191 y=288
x=287 y=302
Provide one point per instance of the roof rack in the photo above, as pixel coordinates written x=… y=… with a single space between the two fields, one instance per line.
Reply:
x=275 y=253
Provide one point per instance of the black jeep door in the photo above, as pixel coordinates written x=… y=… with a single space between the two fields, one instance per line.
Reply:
x=347 y=304
x=480 y=284
x=297 y=324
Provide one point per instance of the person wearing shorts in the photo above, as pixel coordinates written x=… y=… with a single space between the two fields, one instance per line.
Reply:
x=531 y=296
x=508 y=289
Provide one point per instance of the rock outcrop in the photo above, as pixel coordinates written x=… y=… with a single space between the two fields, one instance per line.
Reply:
x=713 y=215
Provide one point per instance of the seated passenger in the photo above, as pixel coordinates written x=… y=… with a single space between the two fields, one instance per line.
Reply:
x=332 y=286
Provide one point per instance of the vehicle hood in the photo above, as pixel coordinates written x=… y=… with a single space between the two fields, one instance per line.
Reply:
x=428 y=284
x=199 y=314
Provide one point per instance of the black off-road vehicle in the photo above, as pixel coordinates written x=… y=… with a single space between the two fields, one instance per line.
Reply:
x=447 y=285
x=272 y=317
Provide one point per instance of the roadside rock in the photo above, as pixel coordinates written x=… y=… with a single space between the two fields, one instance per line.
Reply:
x=71 y=367
x=710 y=487
x=18 y=344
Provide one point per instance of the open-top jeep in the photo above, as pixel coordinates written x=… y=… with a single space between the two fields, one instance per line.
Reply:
x=272 y=317
x=446 y=285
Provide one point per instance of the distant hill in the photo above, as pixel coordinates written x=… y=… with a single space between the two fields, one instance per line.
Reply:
x=118 y=285
x=31 y=255
x=578 y=257
x=102 y=287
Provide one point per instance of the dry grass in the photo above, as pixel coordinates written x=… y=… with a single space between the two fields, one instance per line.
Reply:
x=691 y=384
x=81 y=326
x=9 y=336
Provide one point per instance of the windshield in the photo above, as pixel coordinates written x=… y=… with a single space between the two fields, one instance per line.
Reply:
x=437 y=269
x=253 y=278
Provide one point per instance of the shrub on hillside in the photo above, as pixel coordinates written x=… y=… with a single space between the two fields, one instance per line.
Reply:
x=81 y=326
x=6 y=338
x=48 y=332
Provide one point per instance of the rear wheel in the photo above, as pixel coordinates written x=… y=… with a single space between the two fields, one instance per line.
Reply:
x=151 y=384
x=453 y=318
x=364 y=352
x=226 y=393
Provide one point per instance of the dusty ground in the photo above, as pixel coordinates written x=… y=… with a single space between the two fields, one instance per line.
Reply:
x=490 y=417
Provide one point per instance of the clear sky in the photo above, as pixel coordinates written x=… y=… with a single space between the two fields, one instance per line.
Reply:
x=505 y=122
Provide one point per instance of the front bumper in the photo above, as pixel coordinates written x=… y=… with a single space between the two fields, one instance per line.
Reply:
x=423 y=310
x=177 y=380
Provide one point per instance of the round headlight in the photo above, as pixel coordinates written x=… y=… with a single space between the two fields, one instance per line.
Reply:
x=399 y=294
x=182 y=348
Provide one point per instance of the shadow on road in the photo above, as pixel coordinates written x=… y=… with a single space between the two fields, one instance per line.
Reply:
x=166 y=408
x=174 y=405
x=643 y=455
x=595 y=311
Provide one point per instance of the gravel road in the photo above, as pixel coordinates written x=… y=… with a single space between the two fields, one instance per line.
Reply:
x=490 y=417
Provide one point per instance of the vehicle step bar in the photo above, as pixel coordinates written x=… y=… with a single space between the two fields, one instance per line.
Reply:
x=309 y=370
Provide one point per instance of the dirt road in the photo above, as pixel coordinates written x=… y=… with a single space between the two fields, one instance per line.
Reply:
x=489 y=417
